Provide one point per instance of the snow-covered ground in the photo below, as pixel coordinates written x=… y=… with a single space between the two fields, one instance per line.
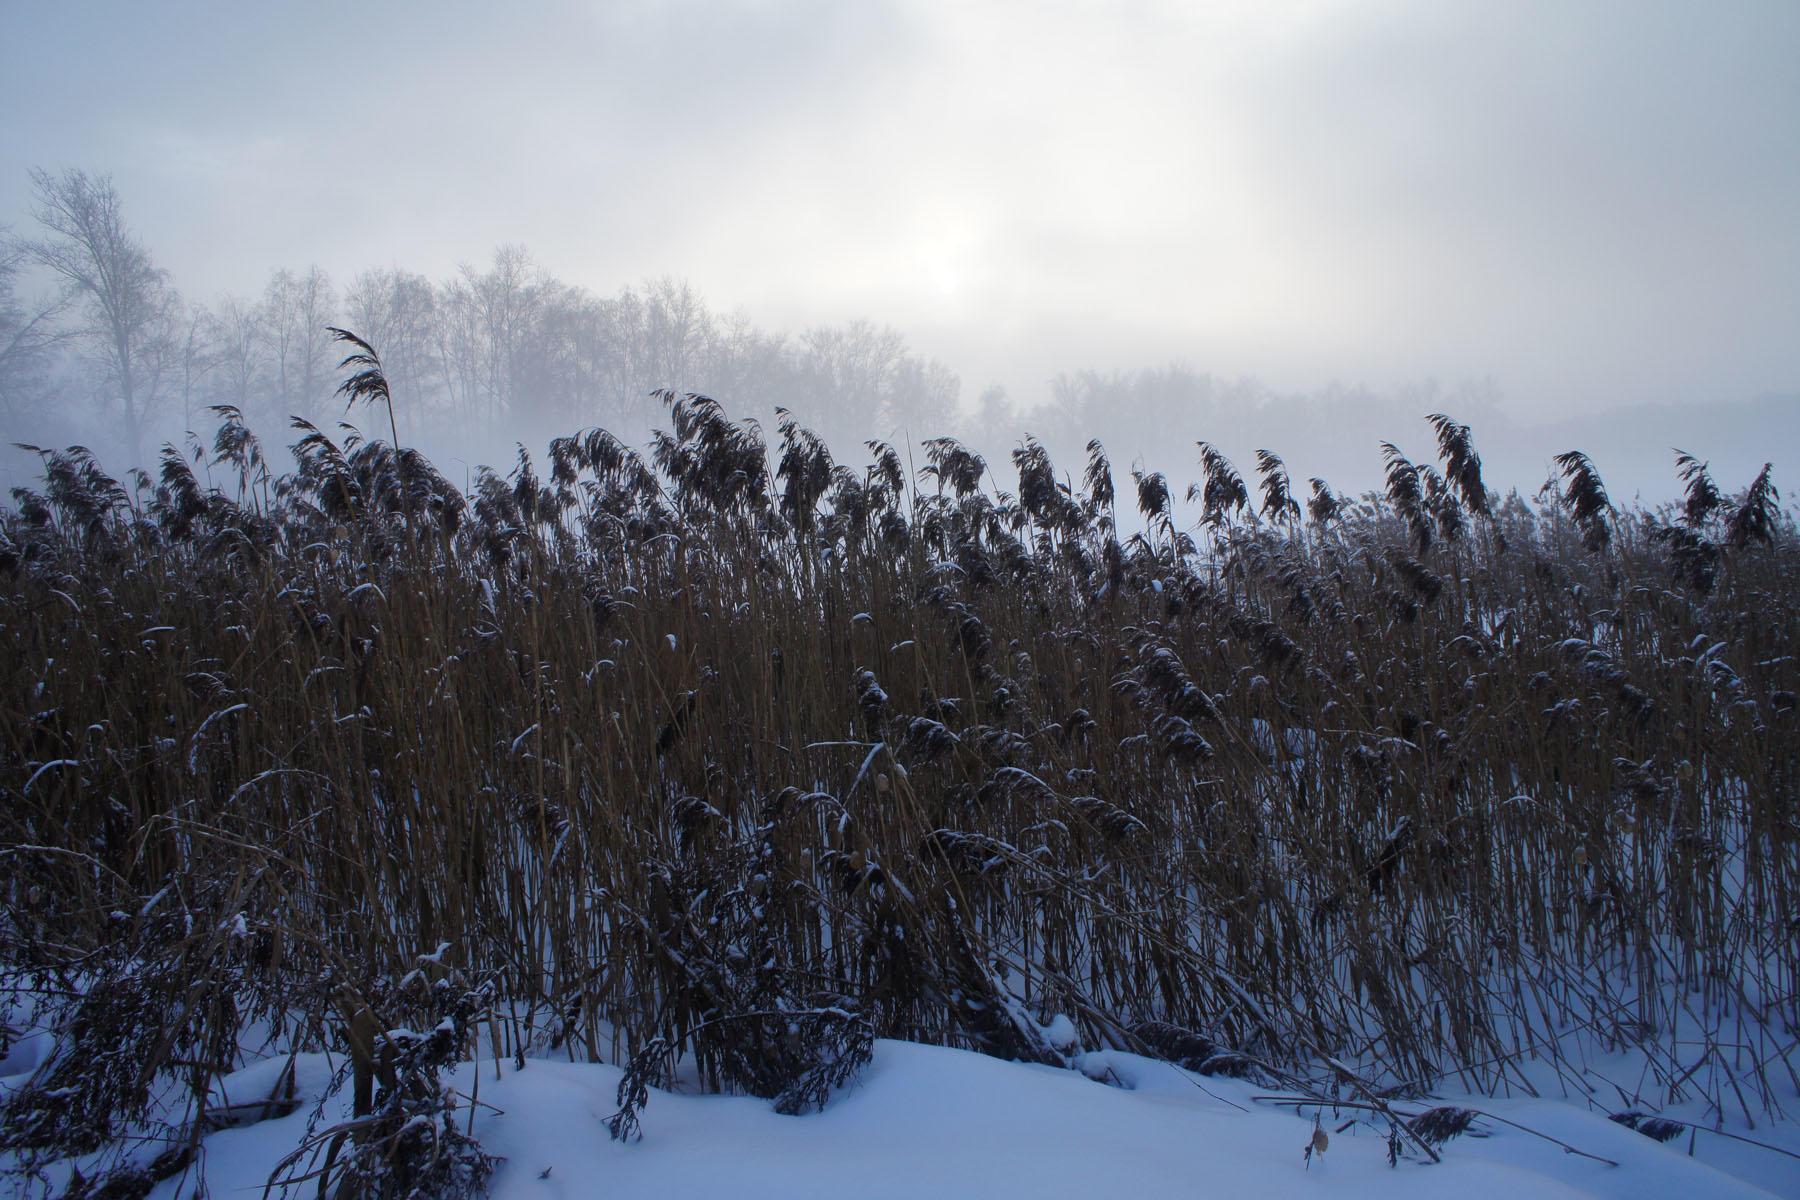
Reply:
x=930 y=1122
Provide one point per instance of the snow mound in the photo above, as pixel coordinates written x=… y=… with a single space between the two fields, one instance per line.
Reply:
x=931 y=1122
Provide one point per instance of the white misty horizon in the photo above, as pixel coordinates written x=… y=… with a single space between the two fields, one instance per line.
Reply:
x=1590 y=205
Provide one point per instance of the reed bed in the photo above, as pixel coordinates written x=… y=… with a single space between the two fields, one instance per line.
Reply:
x=730 y=755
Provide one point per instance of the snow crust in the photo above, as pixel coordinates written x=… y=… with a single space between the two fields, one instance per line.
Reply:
x=926 y=1121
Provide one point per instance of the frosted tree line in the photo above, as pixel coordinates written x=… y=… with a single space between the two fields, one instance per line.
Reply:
x=97 y=341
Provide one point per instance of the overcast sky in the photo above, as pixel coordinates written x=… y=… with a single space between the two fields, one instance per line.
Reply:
x=1592 y=203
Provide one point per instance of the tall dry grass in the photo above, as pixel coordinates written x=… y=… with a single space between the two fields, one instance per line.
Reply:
x=682 y=749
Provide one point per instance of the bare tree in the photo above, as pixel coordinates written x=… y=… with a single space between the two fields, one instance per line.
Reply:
x=497 y=311
x=562 y=377
x=751 y=368
x=125 y=296
x=29 y=333
x=195 y=355
x=846 y=376
x=396 y=311
x=678 y=329
x=235 y=332
x=296 y=311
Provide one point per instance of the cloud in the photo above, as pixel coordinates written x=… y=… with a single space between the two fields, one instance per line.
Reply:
x=1590 y=202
